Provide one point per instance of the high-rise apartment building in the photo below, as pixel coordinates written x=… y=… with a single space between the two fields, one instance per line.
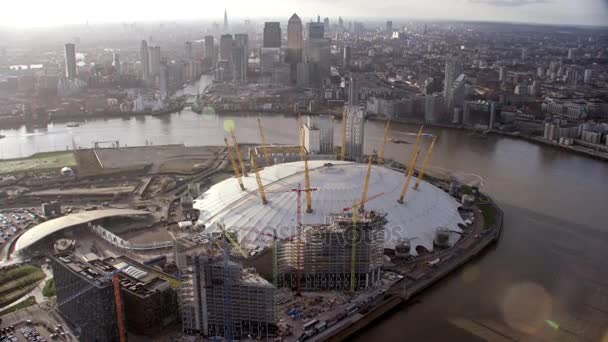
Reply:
x=272 y=35
x=154 y=59
x=70 y=61
x=144 y=60
x=116 y=62
x=226 y=45
x=316 y=31
x=240 y=54
x=353 y=91
x=453 y=69
x=226 y=298
x=294 y=40
x=355 y=124
x=319 y=134
x=210 y=52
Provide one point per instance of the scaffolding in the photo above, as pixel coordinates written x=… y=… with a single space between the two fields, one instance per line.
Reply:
x=327 y=260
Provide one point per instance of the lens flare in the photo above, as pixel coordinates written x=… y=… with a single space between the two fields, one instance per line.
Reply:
x=526 y=307
x=229 y=125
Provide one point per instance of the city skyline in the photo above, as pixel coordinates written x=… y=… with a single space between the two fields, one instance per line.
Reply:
x=563 y=12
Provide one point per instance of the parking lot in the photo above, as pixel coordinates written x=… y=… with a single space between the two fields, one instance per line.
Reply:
x=38 y=323
x=12 y=221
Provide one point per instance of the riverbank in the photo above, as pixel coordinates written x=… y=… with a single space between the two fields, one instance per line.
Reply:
x=514 y=135
x=405 y=291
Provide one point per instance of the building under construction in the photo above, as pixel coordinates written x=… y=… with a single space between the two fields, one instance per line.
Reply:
x=327 y=250
x=226 y=300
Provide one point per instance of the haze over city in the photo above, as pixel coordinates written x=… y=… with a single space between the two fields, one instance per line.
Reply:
x=42 y=13
x=295 y=171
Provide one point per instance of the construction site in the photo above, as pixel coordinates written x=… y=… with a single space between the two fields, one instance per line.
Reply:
x=239 y=241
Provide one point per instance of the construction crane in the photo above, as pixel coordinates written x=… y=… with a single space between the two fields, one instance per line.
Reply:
x=353 y=250
x=122 y=333
x=410 y=172
x=426 y=160
x=343 y=149
x=381 y=155
x=299 y=191
x=254 y=164
x=113 y=277
x=366 y=185
x=235 y=167
x=264 y=148
x=306 y=179
x=238 y=153
x=229 y=238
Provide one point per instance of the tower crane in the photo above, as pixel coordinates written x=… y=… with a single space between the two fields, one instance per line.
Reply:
x=424 y=162
x=353 y=250
x=343 y=149
x=366 y=184
x=264 y=148
x=254 y=164
x=238 y=152
x=381 y=155
x=306 y=179
x=410 y=172
x=235 y=167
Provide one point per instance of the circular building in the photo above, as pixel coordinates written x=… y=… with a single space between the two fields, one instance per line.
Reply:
x=337 y=185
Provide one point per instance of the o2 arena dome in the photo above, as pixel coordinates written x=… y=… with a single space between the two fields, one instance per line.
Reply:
x=337 y=184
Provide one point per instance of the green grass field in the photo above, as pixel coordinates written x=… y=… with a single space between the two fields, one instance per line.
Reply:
x=49 y=288
x=16 y=282
x=26 y=303
x=39 y=162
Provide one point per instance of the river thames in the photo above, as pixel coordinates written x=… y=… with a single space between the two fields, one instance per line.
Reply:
x=545 y=278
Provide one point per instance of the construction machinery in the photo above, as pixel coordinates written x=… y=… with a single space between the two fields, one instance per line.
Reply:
x=238 y=153
x=410 y=172
x=235 y=167
x=343 y=148
x=306 y=179
x=264 y=148
x=424 y=163
x=381 y=155
x=353 y=251
x=254 y=165
x=366 y=185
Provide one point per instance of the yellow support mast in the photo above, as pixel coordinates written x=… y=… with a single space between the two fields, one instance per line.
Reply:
x=300 y=135
x=381 y=155
x=235 y=167
x=343 y=150
x=418 y=137
x=254 y=164
x=306 y=179
x=366 y=184
x=239 y=155
x=264 y=148
x=410 y=173
x=426 y=160
x=353 y=250
x=236 y=246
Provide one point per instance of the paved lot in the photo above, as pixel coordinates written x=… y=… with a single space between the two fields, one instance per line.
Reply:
x=43 y=321
x=127 y=157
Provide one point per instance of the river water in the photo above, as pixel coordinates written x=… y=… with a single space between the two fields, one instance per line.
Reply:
x=547 y=277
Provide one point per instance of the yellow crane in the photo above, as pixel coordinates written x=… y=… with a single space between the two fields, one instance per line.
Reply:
x=306 y=179
x=239 y=155
x=343 y=150
x=366 y=184
x=410 y=172
x=353 y=250
x=264 y=148
x=381 y=155
x=254 y=164
x=426 y=160
x=235 y=244
x=235 y=167
x=418 y=137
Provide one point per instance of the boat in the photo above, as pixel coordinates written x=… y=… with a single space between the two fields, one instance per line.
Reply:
x=398 y=141
x=73 y=124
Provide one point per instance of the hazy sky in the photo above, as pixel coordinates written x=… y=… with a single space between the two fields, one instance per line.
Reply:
x=28 y=13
